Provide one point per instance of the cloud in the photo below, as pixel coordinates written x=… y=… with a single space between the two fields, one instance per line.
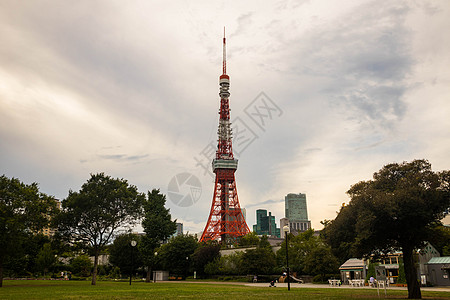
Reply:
x=122 y=157
x=265 y=203
x=132 y=91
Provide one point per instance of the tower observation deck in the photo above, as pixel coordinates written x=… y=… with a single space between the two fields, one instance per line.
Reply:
x=226 y=222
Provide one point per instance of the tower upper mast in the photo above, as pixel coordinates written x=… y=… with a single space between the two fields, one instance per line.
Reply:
x=224 y=149
x=224 y=61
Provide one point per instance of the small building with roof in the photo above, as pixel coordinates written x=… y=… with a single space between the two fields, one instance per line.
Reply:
x=439 y=270
x=353 y=268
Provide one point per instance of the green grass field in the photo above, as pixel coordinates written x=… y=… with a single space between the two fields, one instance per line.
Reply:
x=40 y=289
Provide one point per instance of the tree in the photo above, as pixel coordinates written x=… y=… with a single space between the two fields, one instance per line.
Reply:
x=320 y=261
x=308 y=254
x=23 y=211
x=226 y=265
x=121 y=251
x=24 y=260
x=175 y=256
x=205 y=253
x=248 y=240
x=81 y=265
x=371 y=270
x=259 y=261
x=45 y=258
x=440 y=239
x=158 y=227
x=97 y=211
x=401 y=272
x=264 y=243
x=397 y=210
x=341 y=242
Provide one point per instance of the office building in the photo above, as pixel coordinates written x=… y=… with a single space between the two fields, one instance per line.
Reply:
x=265 y=224
x=296 y=213
x=179 y=229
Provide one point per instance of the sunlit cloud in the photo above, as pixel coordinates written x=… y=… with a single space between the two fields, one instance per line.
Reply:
x=132 y=90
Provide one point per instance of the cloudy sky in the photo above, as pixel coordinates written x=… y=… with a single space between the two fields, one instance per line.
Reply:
x=323 y=94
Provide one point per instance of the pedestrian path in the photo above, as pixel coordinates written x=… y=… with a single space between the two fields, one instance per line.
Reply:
x=326 y=286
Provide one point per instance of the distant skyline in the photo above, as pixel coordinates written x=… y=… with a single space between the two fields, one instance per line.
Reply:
x=323 y=94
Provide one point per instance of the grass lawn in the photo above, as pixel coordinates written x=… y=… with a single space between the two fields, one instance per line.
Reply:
x=41 y=289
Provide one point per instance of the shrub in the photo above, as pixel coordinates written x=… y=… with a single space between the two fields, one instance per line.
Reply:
x=81 y=265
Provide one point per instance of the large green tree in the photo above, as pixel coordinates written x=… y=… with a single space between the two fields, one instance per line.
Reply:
x=81 y=265
x=23 y=211
x=248 y=240
x=158 y=227
x=308 y=254
x=24 y=259
x=93 y=215
x=260 y=260
x=46 y=258
x=397 y=210
x=175 y=256
x=226 y=265
x=121 y=252
x=205 y=253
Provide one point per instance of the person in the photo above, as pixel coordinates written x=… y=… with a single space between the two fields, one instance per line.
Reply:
x=371 y=281
x=272 y=284
x=255 y=279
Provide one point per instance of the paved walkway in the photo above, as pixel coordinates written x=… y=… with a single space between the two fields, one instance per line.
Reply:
x=309 y=285
x=312 y=286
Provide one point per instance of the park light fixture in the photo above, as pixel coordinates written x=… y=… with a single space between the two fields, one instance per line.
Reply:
x=286 y=231
x=133 y=244
x=154 y=262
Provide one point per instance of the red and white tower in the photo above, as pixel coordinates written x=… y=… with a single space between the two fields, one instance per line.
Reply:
x=226 y=221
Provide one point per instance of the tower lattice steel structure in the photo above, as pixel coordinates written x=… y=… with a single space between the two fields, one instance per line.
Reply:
x=226 y=221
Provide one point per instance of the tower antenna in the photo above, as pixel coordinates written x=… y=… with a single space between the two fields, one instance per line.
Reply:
x=224 y=63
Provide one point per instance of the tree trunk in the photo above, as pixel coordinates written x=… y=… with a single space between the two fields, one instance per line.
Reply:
x=94 y=274
x=1 y=272
x=411 y=274
x=149 y=272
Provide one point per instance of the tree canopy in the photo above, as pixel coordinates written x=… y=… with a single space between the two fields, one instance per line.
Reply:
x=397 y=210
x=205 y=253
x=23 y=211
x=248 y=240
x=121 y=251
x=158 y=227
x=258 y=261
x=102 y=206
x=308 y=254
x=175 y=256
x=45 y=258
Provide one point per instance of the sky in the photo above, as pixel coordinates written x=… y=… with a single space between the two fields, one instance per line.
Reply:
x=323 y=94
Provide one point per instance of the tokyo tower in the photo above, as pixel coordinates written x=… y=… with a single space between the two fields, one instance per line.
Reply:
x=226 y=222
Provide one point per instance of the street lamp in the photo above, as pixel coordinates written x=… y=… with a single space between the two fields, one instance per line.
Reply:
x=286 y=231
x=154 y=274
x=133 y=244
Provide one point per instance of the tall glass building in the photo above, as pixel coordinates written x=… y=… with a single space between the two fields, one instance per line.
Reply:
x=265 y=224
x=296 y=212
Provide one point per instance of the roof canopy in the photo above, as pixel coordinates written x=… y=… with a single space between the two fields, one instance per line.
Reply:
x=353 y=263
x=439 y=260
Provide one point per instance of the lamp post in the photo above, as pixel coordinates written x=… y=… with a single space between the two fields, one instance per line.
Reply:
x=133 y=244
x=286 y=231
x=154 y=262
